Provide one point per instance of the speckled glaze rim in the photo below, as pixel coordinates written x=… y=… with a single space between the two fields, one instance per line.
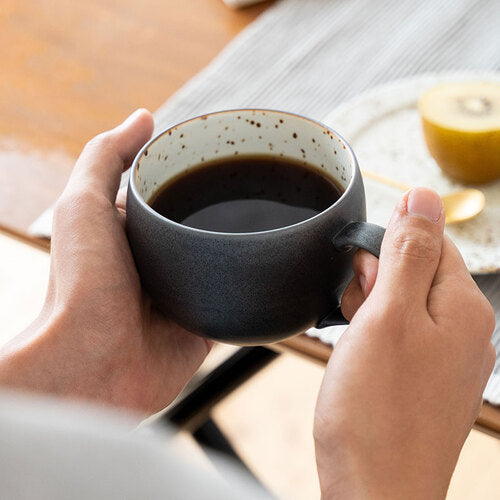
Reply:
x=355 y=174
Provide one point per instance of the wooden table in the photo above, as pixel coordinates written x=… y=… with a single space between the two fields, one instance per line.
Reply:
x=73 y=69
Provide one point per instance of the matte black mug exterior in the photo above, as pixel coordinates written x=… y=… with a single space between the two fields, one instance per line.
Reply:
x=248 y=288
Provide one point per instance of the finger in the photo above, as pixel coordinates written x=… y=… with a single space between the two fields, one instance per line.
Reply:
x=121 y=204
x=411 y=248
x=365 y=267
x=104 y=158
x=352 y=299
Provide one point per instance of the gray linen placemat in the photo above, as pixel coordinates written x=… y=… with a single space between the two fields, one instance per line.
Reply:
x=309 y=56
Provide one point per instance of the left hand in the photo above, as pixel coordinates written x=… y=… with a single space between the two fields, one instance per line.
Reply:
x=98 y=338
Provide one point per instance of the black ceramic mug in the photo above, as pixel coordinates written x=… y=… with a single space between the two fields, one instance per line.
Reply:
x=248 y=288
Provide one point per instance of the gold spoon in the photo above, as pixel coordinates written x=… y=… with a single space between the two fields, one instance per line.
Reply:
x=458 y=206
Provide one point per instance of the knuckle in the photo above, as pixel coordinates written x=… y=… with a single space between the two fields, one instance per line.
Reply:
x=418 y=246
x=62 y=208
x=387 y=312
x=489 y=316
x=104 y=143
x=482 y=312
x=76 y=202
x=492 y=358
x=104 y=139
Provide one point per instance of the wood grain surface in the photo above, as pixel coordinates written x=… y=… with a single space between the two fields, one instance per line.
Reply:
x=73 y=69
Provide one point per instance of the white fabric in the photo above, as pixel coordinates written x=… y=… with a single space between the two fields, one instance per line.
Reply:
x=51 y=450
x=310 y=56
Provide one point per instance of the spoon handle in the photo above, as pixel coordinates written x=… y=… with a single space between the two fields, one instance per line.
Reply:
x=385 y=180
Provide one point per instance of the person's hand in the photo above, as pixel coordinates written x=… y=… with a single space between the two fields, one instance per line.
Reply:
x=404 y=383
x=97 y=337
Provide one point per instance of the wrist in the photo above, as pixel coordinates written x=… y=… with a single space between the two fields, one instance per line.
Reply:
x=348 y=470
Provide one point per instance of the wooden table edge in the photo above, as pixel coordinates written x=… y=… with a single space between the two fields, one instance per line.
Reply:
x=39 y=243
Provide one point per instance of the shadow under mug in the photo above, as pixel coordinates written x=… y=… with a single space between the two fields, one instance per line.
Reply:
x=248 y=288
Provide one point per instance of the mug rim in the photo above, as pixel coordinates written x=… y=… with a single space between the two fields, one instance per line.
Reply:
x=133 y=169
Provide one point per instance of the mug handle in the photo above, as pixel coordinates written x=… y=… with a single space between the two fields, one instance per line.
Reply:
x=355 y=234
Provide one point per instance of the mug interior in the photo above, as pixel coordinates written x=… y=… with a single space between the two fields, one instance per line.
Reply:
x=235 y=133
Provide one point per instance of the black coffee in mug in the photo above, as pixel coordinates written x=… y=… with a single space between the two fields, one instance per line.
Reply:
x=246 y=194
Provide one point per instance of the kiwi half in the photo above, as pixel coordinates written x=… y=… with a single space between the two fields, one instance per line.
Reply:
x=461 y=124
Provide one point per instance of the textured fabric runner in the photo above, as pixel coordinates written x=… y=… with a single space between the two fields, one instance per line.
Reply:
x=309 y=56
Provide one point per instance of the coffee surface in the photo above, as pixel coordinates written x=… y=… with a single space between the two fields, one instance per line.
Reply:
x=245 y=194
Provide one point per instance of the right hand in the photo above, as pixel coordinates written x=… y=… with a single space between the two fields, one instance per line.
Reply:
x=404 y=383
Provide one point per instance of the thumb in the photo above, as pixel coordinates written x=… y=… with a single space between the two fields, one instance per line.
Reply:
x=104 y=158
x=411 y=249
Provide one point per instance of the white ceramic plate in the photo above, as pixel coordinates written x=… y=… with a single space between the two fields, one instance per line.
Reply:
x=383 y=127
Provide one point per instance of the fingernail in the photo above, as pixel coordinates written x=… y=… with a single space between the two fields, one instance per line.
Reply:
x=424 y=202
x=362 y=282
